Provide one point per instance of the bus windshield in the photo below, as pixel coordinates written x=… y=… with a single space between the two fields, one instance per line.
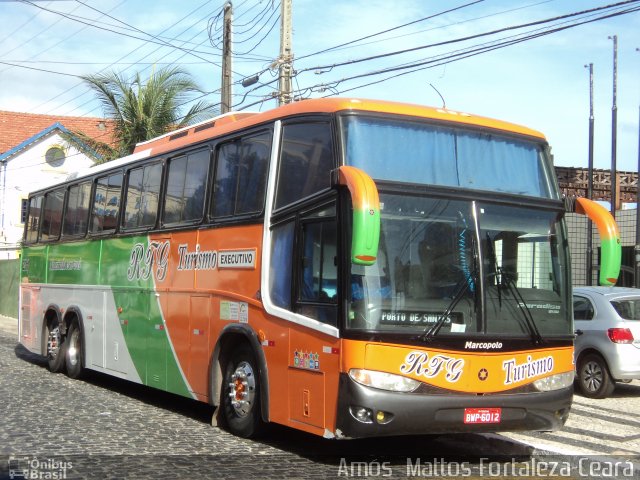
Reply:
x=436 y=155
x=471 y=267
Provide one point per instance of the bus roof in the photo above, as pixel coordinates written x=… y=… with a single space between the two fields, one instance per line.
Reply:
x=237 y=120
x=232 y=121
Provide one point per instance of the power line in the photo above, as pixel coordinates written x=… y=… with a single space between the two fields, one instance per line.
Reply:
x=460 y=55
x=40 y=32
x=67 y=37
x=483 y=17
x=183 y=55
x=189 y=52
x=206 y=2
x=159 y=42
x=452 y=56
x=21 y=26
x=391 y=29
x=469 y=37
x=60 y=62
x=39 y=69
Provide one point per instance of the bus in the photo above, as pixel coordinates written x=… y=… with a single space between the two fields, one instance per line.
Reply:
x=346 y=267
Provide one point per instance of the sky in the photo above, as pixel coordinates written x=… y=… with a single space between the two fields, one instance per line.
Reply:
x=541 y=83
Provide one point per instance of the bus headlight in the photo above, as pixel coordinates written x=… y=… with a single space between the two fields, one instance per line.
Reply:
x=554 y=382
x=383 y=380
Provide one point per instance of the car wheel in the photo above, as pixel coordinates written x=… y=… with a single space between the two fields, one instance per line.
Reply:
x=594 y=380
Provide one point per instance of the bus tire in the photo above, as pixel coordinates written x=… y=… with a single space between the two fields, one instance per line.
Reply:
x=55 y=346
x=594 y=379
x=241 y=393
x=74 y=358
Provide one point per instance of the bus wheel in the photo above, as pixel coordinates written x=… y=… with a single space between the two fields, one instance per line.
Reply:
x=241 y=394
x=74 y=358
x=55 y=347
x=594 y=380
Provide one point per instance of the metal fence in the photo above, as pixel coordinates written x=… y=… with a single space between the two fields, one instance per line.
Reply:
x=577 y=226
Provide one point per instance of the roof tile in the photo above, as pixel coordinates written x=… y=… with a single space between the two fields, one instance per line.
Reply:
x=16 y=127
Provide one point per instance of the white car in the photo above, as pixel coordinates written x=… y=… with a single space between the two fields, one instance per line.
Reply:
x=607 y=344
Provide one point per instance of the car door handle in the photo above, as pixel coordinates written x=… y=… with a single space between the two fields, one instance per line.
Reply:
x=579 y=332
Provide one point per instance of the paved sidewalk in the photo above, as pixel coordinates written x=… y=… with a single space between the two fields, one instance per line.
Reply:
x=9 y=325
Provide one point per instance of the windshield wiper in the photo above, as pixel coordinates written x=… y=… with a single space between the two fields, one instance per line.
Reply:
x=435 y=328
x=507 y=280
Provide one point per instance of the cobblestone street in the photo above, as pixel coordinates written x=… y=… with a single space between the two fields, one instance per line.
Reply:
x=103 y=427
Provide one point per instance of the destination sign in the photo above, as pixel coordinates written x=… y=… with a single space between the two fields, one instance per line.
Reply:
x=405 y=317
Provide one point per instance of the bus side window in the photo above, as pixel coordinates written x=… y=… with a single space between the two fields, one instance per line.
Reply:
x=318 y=270
x=241 y=176
x=106 y=203
x=52 y=216
x=76 y=215
x=33 y=220
x=186 y=184
x=281 y=265
x=143 y=192
x=306 y=160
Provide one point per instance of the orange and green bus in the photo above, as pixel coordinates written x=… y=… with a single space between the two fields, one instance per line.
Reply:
x=346 y=267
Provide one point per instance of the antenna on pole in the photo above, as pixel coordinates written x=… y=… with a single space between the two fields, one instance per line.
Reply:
x=444 y=105
x=226 y=92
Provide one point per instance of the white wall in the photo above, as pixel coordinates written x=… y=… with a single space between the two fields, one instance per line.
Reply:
x=28 y=171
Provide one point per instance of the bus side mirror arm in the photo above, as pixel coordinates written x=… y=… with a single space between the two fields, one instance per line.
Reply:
x=366 y=213
x=609 y=239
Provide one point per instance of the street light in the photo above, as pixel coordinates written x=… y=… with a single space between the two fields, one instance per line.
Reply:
x=636 y=275
x=590 y=179
x=614 y=125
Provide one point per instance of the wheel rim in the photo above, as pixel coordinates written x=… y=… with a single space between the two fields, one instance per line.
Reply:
x=592 y=376
x=53 y=342
x=74 y=348
x=242 y=389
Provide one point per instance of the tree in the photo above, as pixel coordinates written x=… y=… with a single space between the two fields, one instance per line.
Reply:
x=141 y=111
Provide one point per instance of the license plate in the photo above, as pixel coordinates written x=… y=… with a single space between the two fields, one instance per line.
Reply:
x=482 y=415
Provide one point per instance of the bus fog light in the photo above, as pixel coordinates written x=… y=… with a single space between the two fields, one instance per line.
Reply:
x=383 y=380
x=383 y=417
x=554 y=382
x=362 y=414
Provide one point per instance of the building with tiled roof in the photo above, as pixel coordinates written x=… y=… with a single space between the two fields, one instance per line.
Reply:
x=16 y=127
x=35 y=154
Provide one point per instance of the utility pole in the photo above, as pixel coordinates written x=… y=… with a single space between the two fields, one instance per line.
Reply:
x=225 y=99
x=590 y=180
x=636 y=277
x=285 y=90
x=614 y=127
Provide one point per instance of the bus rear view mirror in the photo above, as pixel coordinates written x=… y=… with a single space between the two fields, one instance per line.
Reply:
x=609 y=239
x=366 y=214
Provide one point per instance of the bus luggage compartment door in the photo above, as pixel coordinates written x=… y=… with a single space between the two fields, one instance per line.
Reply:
x=306 y=397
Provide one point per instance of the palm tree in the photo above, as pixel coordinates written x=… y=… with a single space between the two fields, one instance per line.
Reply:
x=141 y=111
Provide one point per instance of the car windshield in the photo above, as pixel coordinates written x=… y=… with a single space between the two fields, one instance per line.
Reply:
x=473 y=267
x=629 y=309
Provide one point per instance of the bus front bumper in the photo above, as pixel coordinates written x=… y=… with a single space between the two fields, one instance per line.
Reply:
x=370 y=412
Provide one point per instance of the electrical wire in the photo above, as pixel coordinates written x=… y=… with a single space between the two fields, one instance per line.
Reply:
x=67 y=37
x=87 y=92
x=391 y=29
x=460 y=56
x=206 y=2
x=466 y=38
